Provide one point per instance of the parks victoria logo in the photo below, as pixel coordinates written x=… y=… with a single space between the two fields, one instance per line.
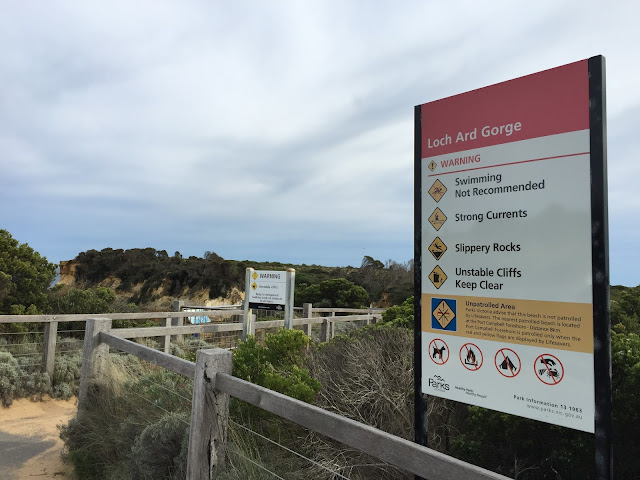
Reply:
x=438 y=383
x=443 y=314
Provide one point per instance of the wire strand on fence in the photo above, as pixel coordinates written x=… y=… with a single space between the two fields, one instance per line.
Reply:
x=152 y=403
x=148 y=420
x=232 y=450
x=31 y=365
x=157 y=384
x=19 y=344
x=158 y=406
x=19 y=333
x=30 y=374
x=289 y=450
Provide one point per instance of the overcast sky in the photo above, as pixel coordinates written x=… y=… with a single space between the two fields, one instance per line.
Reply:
x=279 y=130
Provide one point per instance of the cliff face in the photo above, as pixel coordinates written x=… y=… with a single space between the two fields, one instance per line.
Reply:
x=67 y=273
x=159 y=296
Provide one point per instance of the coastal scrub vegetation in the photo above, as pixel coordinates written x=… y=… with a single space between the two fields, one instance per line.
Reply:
x=137 y=426
x=153 y=270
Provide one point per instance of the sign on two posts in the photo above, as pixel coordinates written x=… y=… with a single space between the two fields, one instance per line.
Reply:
x=511 y=250
x=270 y=290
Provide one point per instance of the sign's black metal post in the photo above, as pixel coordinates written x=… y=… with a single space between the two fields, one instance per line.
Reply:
x=420 y=414
x=600 y=265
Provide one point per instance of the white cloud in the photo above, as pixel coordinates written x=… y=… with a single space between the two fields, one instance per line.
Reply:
x=296 y=115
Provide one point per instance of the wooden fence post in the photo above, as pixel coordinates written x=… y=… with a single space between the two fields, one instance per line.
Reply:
x=332 y=326
x=209 y=416
x=49 y=349
x=289 y=296
x=248 y=318
x=248 y=323
x=178 y=321
x=307 y=312
x=94 y=357
x=167 y=338
x=327 y=326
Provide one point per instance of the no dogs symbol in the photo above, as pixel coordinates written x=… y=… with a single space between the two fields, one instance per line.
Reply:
x=438 y=351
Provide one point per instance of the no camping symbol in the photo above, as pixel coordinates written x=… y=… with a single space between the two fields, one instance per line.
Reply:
x=471 y=357
x=438 y=351
x=549 y=369
x=507 y=362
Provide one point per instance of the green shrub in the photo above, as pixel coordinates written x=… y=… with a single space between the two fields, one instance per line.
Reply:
x=162 y=448
x=400 y=315
x=20 y=375
x=189 y=349
x=336 y=292
x=523 y=448
x=33 y=384
x=9 y=378
x=279 y=365
x=25 y=277
x=66 y=376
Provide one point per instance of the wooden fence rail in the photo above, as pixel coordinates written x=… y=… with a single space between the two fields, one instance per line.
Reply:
x=214 y=384
x=175 y=321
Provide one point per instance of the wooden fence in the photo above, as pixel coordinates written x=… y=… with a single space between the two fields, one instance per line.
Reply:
x=214 y=384
x=174 y=321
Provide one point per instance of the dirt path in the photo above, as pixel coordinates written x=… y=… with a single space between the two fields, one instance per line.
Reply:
x=30 y=441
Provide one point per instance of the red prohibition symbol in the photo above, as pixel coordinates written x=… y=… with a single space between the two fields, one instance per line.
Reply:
x=471 y=357
x=548 y=368
x=438 y=351
x=507 y=362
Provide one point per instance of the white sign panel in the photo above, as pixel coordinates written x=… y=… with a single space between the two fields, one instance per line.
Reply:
x=268 y=290
x=507 y=301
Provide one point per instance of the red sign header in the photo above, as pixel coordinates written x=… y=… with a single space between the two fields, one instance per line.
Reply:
x=537 y=105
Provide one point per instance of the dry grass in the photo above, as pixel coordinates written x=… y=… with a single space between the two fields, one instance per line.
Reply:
x=368 y=377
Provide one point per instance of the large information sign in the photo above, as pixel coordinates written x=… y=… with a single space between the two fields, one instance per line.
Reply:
x=505 y=247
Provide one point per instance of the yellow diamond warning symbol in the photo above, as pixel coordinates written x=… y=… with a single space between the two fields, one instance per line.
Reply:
x=255 y=275
x=437 y=219
x=254 y=285
x=437 y=277
x=443 y=314
x=437 y=248
x=437 y=190
x=432 y=165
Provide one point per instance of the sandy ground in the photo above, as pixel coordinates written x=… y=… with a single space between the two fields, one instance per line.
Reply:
x=30 y=444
